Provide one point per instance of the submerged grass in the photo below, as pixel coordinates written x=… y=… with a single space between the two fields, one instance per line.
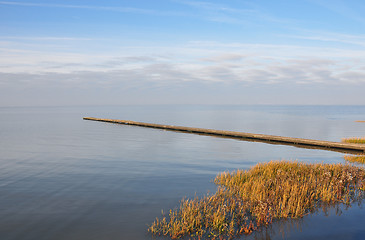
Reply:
x=354 y=140
x=246 y=200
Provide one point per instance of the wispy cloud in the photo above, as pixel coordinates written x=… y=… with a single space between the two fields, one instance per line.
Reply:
x=322 y=36
x=47 y=38
x=245 y=13
x=204 y=5
x=223 y=13
x=90 y=7
x=350 y=9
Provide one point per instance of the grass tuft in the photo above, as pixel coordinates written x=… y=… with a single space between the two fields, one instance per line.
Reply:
x=246 y=200
x=355 y=159
x=354 y=140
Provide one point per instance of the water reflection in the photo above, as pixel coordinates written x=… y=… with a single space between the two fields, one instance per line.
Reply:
x=279 y=228
x=298 y=145
x=312 y=225
x=64 y=178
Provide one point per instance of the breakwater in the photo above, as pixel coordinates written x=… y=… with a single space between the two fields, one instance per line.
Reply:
x=299 y=142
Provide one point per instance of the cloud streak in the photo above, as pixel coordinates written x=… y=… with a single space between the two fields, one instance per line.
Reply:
x=95 y=8
x=349 y=9
x=349 y=40
x=44 y=38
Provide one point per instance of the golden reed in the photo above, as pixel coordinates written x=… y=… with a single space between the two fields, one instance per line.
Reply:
x=246 y=200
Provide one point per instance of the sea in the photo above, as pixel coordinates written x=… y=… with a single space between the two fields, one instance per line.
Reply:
x=65 y=178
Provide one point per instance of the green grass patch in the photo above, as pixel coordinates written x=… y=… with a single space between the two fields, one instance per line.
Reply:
x=247 y=200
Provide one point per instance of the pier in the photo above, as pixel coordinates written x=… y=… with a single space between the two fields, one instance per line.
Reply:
x=298 y=142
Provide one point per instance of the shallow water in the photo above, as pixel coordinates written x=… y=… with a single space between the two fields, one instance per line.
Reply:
x=65 y=178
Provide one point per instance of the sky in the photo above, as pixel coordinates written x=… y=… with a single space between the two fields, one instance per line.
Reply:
x=118 y=52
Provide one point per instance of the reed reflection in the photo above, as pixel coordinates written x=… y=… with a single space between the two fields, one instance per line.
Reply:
x=291 y=228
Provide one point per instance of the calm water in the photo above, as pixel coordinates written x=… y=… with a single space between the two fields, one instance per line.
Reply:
x=65 y=178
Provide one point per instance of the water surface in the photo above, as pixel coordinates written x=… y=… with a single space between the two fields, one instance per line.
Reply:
x=65 y=178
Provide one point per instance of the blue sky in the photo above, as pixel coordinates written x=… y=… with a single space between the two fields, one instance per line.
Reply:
x=182 y=52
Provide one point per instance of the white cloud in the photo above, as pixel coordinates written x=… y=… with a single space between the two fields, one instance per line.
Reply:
x=225 y=57
x=199 y=61
x=201 y=71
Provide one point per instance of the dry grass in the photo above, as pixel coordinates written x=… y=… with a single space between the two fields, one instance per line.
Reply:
x=354 y=140
x=246 y=200
x=356 y=158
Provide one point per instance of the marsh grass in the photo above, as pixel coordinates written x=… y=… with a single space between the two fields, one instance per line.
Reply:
x=355 y=159
x=247 y=200
x=354 y=140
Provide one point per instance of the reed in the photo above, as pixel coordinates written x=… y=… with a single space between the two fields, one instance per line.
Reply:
x=354 y=140
x=356 y=158
x=247 y=200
